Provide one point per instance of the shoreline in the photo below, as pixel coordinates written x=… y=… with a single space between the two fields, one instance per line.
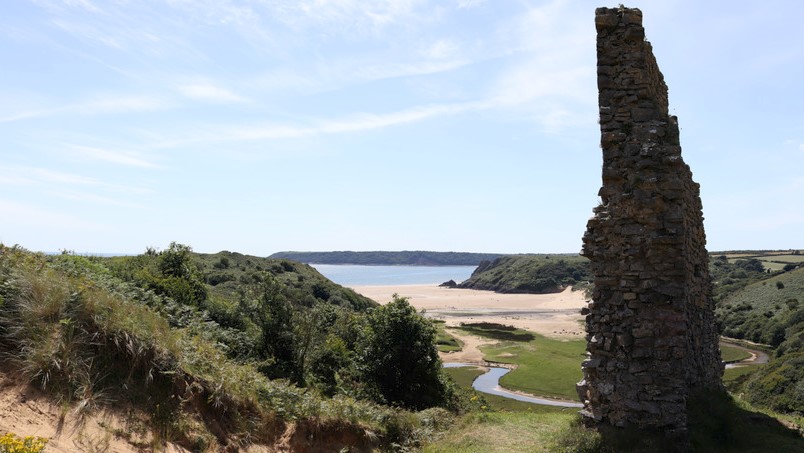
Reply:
x=555 y=315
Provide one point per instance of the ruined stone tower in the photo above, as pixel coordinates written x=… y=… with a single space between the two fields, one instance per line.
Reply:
x=651 y=333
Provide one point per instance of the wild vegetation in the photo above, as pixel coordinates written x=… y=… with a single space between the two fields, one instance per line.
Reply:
x=408 y=258
x=763 y=305
x=718 y=423
x=536 y=274
x=11 y=443
x=208 y=366
x=228 y=349
x=759 y=297
x=543 y=366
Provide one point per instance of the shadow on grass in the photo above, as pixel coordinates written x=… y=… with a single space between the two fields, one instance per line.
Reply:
x=716 y=424
x=497 y=331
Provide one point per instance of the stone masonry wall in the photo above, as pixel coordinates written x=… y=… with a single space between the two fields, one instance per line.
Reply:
x=651 y=333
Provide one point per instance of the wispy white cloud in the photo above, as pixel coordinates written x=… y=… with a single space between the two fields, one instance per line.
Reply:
x=350 y=13
x=90 y=32
x=393 y=70
x=119 y=104
x=375 y=121
x=50 y=180
x=355 y=123
x=126 y=158
x=89 y=197
x=441 y=49
x=50 y=176
x=206 y=91
x=111 y=104
x=801 y=147
x=16 y=214
x=465 y=4
x=85 y=4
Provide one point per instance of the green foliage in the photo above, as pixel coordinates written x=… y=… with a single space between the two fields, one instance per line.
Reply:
x=398 y=360
x=94 y=335
x=410 y=258
x=731 y=277
x=530 y=274
x=445 y=341
x=764 y=313
x=779 y=385
x=497 y=331
x=301 y=284
x=770 y=314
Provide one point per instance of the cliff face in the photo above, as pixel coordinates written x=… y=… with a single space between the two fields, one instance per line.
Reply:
x=651 y=333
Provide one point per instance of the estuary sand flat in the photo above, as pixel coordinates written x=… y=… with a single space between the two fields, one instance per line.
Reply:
x=555 y=315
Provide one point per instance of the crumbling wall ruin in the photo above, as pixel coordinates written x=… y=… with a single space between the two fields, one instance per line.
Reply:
x=651 y=333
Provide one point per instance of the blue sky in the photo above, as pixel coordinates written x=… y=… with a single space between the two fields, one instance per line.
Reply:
x=452 y=125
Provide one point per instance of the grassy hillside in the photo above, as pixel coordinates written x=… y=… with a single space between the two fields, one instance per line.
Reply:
x=209 y=368
x=773 y=260
x=763 y=310
x=771 y=311
x=227 y=272
x=529 y=273
x=409 y=258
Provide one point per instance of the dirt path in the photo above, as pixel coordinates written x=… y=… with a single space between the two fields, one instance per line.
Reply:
x=470 y=353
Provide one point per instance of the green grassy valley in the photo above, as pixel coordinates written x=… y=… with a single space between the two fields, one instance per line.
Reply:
x=718 y=422
x=225 y=351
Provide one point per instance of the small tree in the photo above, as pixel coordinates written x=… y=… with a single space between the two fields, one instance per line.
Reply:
x=273 y=314
x=398 y=359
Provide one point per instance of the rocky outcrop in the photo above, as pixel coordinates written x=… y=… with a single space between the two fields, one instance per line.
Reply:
x=651 y=333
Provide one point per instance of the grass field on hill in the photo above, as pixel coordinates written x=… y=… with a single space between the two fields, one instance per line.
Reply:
x=773 y=261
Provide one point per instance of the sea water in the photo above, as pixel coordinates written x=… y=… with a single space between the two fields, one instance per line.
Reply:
x=354 y=275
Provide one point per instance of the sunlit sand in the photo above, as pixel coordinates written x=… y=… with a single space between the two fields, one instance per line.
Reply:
x=554 y=315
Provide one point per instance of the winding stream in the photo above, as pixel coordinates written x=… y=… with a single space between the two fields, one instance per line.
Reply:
x=489 y=382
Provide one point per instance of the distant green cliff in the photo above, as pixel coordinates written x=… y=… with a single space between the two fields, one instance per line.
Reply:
x=529 y=274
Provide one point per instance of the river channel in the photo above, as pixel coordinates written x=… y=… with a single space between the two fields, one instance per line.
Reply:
x=489 y=382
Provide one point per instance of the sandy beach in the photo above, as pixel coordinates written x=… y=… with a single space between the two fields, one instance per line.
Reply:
x=554 y=315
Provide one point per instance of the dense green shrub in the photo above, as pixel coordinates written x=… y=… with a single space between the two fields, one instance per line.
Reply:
x=780 y=384
x=398 y=360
